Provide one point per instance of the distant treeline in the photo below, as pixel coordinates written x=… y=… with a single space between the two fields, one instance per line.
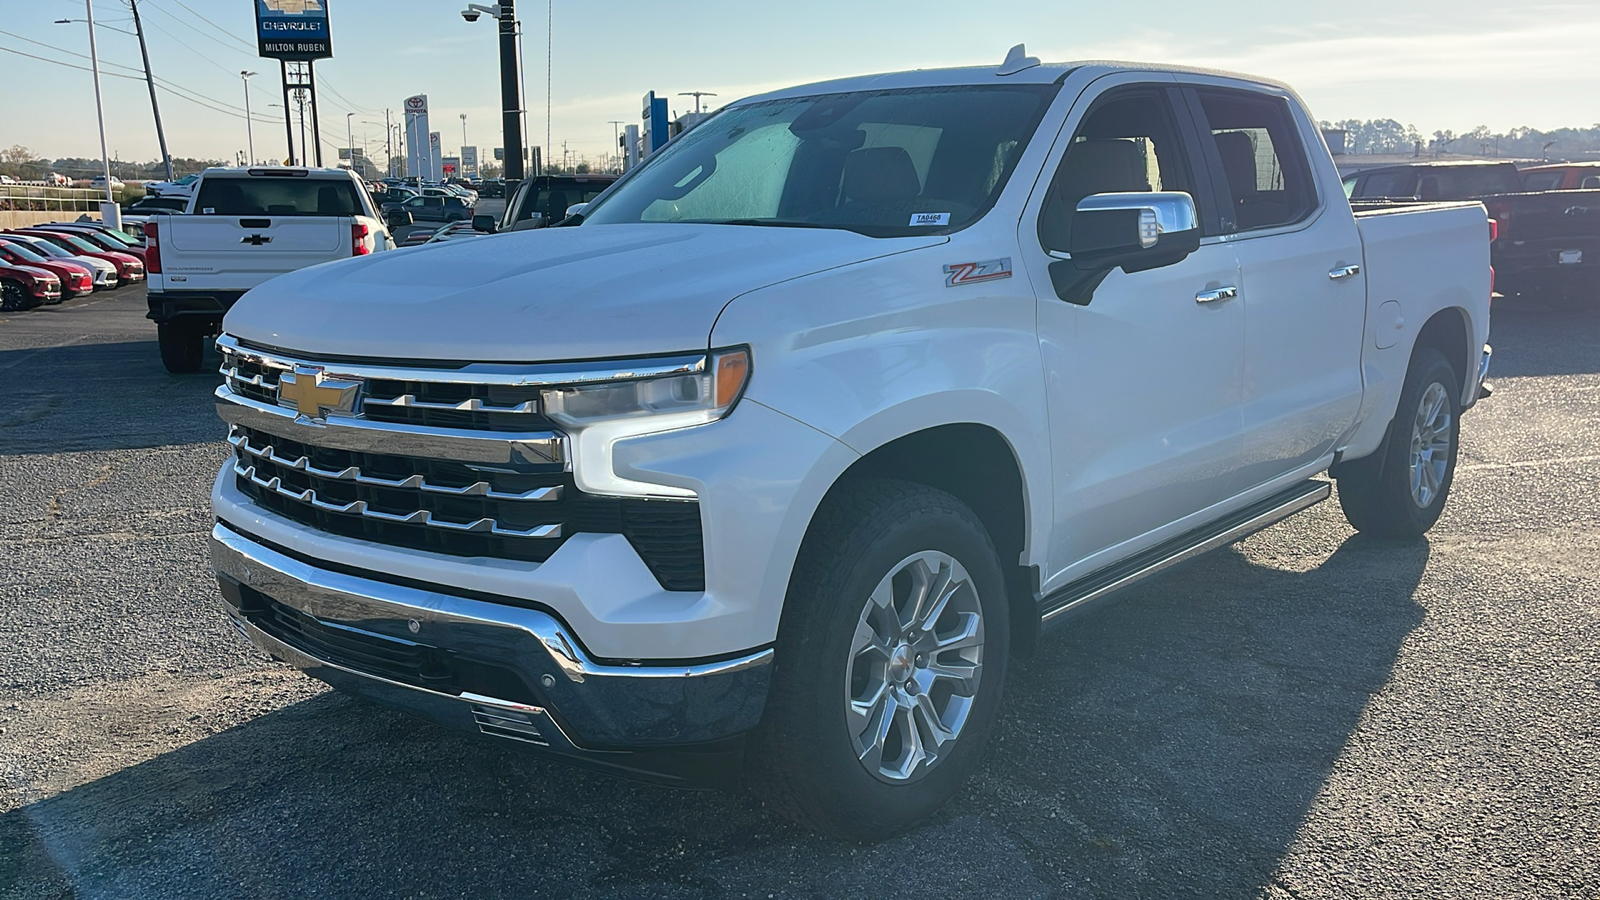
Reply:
x=1389 y=136
x=19 y=162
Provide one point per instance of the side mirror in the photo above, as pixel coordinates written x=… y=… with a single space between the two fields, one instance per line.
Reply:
x=576 y=209
x=484 y=224
x=397 y=218
x=1134 y=231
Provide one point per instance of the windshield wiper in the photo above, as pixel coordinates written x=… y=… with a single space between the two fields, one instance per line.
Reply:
x=775 y=223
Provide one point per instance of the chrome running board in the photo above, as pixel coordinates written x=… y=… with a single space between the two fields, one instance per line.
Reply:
x=1082 y=593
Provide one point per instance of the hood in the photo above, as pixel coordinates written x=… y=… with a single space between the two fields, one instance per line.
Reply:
x=545 y=295
x=34 y=272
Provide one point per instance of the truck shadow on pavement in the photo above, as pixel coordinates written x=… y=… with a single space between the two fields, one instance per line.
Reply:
x=110 y=396
x=1168 y=745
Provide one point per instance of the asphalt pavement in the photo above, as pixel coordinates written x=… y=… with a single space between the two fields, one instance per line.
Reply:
x=1304 y=714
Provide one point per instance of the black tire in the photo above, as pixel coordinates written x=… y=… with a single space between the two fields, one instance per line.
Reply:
x=1377 y=493
x=12 y=297
x=804 y=760
x=182 y=347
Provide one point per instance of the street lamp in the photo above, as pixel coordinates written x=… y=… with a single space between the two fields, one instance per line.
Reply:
x=249 y=125
x=510 y=92
x=109 y=211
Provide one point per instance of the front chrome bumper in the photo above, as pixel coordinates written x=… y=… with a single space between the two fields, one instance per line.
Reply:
x=500 y=670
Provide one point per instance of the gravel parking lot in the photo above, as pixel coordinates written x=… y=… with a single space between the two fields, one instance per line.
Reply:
x=1305 y=714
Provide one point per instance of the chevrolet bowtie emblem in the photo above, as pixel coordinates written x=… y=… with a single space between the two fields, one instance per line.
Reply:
x=294 y=7
x=255 y=240
x=313 y=393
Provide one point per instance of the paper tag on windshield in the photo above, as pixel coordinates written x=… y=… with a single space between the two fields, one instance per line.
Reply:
x=209 y=211
x=930 y=219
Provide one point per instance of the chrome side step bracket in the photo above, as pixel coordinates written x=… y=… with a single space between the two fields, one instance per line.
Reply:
x=1083 y=593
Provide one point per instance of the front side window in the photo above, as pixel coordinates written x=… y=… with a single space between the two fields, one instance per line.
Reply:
x=1128 y=142
x=1543 y=181
x=881 y=163
x=1266 y=178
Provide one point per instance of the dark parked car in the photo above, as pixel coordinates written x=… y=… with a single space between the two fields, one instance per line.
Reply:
x=492 y=187
x=1549 y=241
x=433 y=209
x=543 y=201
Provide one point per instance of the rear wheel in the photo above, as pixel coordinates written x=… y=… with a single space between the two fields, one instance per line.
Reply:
x=891 y=662
x=182 y=347
x=1400 y=491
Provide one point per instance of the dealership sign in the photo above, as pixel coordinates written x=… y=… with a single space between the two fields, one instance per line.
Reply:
x=293 y=29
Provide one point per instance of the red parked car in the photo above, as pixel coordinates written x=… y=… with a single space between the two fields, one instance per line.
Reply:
x=1562 y=177
x=75 y=278
x=24 y=287
x=129 y=268
x=98 y=237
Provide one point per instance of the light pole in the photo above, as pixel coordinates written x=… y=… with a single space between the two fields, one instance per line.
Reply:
x=249 y=124
x=99 y=111
x=616 y=143
x=510 y=91
x=350 y=140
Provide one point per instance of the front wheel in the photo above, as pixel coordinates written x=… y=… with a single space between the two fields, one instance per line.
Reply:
x=182 y=347
x=1400 y=491
x=12 y=297
x=891 y=662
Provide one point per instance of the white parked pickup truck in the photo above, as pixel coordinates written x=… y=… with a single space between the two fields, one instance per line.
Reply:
x=244 y=227
x=775 y=462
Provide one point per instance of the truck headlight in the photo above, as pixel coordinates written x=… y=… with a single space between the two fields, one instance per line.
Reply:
x=599 y=415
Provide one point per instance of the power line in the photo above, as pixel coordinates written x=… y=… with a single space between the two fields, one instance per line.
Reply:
x=174 y=91
x=219 y=28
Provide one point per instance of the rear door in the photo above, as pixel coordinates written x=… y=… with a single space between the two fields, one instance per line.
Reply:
x=1301 y=286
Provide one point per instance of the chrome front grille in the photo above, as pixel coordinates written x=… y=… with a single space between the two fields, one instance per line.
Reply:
x=406 y=401
x=454 y=460
x=425 y=504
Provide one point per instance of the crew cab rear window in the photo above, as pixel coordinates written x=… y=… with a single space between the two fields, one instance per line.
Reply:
x=1266 y=179
x=267 y=196
x=1543 y=181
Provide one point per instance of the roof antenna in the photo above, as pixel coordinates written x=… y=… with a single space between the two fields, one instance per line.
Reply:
x=1017 y=60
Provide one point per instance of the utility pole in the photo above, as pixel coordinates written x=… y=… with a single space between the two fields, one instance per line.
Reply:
x=99 y=108
x=150 y=81
x=249 y=124
x=388 y=142
x=350 y=139
x=510 y=94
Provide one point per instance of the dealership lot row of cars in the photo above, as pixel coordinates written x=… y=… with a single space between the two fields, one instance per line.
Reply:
x=45 y=264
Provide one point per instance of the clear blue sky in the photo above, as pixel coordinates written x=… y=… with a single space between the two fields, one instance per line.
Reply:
x=1433 y=63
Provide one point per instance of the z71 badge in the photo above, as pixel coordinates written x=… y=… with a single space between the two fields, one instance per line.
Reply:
x=974 y=272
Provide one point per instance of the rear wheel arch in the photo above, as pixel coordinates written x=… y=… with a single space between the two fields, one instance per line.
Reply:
x=1449 y=332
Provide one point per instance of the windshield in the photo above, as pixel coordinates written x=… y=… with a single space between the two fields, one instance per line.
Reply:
x=23 y=253
x=79 y=242
x=40 y=245
x=882 y=163
x=266 y=196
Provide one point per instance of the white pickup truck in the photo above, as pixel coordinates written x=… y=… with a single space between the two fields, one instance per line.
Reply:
x=245 y=226
x=775 y=462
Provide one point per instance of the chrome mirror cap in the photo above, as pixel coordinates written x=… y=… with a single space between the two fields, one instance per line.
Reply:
x=1160 y=212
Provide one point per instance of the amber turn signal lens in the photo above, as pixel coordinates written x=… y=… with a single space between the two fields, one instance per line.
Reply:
x=733 y=368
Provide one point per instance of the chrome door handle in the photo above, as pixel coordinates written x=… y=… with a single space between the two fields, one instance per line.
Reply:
x=1338 y=273
x=1217 y=296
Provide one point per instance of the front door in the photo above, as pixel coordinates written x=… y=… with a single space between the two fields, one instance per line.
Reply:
x=1144 y=380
